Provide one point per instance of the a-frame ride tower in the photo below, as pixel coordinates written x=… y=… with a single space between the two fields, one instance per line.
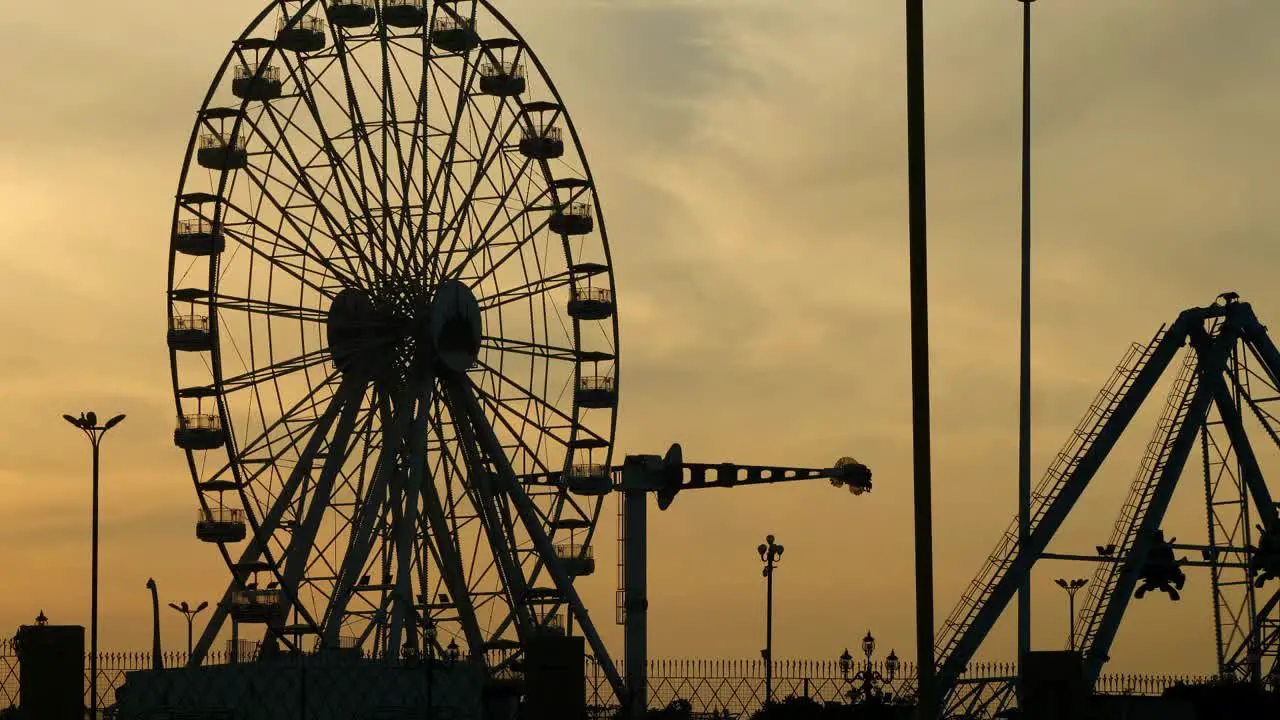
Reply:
x=1218 y=415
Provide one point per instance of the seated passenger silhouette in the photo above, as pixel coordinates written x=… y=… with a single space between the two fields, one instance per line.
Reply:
x=1265 y=563
x=1160 y=571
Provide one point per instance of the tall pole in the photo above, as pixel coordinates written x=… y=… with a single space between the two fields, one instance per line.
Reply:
x=919 y=269
x=1071 y=621
x=768 y=638
x=1024 y=374
x=93 y=601
x=88 y=424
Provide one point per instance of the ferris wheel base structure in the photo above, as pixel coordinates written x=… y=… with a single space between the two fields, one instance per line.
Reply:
x=1217 y=415
x=318 y=687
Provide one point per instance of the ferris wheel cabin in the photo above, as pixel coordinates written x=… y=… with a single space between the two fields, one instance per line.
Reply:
x=256 y=82
x=541 y=142
x=577 y=559
x=199 y=432
x=588 y=479
x=304 y=36
x=190 y=333
x=453 y=35
x=352 y=13
x=220 y=152
x=405 y=14
x=502 y=79
x=198 y=237
x=590 y=303
x=220 y=525
x=572 y=220
x=252 y=605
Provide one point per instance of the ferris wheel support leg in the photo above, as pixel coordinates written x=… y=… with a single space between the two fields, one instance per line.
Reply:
x=303 y=541
x=361 y=540
x=265 y=529
x=449 y=560
x=403 y=614
x=481 y=490
x=529 y=516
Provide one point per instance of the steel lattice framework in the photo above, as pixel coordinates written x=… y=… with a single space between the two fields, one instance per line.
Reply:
x=390 y=299
x=1217 y=410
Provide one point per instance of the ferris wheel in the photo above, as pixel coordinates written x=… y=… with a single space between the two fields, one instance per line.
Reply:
x=390 y=304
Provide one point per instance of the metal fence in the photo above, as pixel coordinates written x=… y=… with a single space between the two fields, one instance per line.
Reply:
x=710 y=686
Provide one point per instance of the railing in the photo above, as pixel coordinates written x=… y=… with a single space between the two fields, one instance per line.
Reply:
x=571 y=551
x=502 y=69
x=311 y=23
x=576 y=210
x=190 y=322
x=246 y=72
x=592 y=294
x=220 y=515
x=535 y=132
x=199 y=422
x=588 y=470
x=195 y=226
x=448 y=24
x=599 y=382
x=219 y=141
x=716 y=685
x=257 y=597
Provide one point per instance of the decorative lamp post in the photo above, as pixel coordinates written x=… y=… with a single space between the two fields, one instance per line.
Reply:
x=1072 y=587
x=770 y=555
x=88 y=424
x=867 y=685
x=429 y=639
x=190 y=615
x=452 y=653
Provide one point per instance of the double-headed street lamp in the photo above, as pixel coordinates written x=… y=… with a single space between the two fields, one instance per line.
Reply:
x=867 y=683
x=770 y=555
x=1072 y=587
x=190 y=615
x=88 y=424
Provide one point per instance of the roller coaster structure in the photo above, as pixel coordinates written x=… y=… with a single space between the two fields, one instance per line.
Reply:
x=1218 y=400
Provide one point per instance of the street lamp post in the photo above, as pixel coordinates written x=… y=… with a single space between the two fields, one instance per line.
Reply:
x=88 y=424
x=868 y=683
x=1072 y=587
x=770 y=555
x=190 y=615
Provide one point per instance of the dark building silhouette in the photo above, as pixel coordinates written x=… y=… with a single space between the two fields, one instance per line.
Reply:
x=52 y=674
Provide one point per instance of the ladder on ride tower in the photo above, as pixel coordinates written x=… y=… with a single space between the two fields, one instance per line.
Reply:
x=1134 y=510
x=1064 y=464
x=620 y=612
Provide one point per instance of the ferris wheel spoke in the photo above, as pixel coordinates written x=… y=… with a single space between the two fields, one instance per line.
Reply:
x=261 y=178
x=244 y=455
x=299 y=170
x=257 y=306
x=417 y=134
x=531 y=348
x=499 y=405
x=528 y=291
x=356 y=187
x=367 y=520
x=442 y=182
x=483 y=228
x=249 y=241
x=489 y=154
x=480 y=488
x=526 y=393
x=270 y=373
x=531 y=518
x=518 y=242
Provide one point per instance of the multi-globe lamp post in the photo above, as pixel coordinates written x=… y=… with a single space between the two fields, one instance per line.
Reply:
x=868 y=684
x=190 y=615
x=88 y=424
x=1072 y=587
x=770 y=555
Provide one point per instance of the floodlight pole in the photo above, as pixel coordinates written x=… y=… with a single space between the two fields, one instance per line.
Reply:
x=88 y=424
x=919 y=284
x=1024 y=350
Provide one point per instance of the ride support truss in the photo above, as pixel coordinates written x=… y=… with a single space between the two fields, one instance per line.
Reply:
x=1230 y=372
